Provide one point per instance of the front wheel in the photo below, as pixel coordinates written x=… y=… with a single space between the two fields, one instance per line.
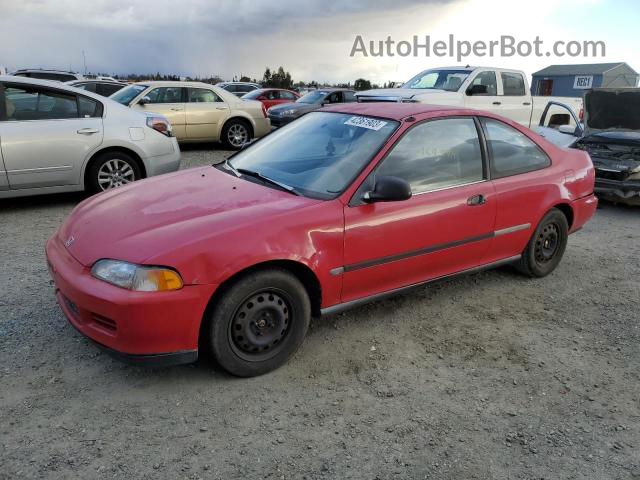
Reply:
x=546 y=246
x=259 y=322
x=235 y=134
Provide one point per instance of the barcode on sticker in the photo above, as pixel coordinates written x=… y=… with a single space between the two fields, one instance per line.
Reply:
x=364 y=122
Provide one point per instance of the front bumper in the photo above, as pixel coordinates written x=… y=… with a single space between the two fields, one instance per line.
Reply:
x=624 y=190
x=141 y=328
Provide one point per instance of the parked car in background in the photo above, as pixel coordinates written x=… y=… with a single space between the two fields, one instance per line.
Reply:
x=271 y=96
x=199 y=112
x=57 y=138
x=283 y=114
x=106 y=88
x=498 y=90
x=58 y=75
x=611 y=136
x=238 y=88
x=341 y=207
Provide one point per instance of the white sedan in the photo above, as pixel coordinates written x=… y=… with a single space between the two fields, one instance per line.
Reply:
x=56 y=138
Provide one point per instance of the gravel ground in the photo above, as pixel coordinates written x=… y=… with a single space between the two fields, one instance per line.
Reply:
x=487 y=376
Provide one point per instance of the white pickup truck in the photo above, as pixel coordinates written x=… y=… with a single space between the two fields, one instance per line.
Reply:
x=499 y=90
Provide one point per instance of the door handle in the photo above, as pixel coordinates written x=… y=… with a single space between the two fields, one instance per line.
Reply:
x=88 y=131
x=497 y=103
x=476 y=200
x=526 y=103
x=221 y=108
x=176 y=109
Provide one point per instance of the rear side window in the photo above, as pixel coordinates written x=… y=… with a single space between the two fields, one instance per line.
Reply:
x=28 y=103
x=284 y=95
x=349 y=97
x=512 y=84
x=107 y=89
x=89 y=87
x=436 y=154
x=89 y=107
x=511 y=151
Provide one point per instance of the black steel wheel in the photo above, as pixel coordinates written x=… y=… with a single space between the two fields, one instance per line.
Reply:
x=546 y=246
x=258 y=322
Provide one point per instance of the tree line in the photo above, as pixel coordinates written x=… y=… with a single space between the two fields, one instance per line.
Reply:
x=276 y=78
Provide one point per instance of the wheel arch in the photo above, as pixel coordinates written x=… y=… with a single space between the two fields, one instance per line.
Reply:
x=299 y=270
x=114 y=149
x=567 y=210
x=237 y=116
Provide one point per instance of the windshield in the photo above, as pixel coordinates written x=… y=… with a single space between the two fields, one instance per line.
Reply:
x=312 y=97
x=336 y=147
x=127 y=94
x=449 y=80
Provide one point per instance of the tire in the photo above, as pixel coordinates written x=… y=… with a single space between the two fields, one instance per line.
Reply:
x=235 y=134
x=110 y=170
x=546 y=246
x=259 y=322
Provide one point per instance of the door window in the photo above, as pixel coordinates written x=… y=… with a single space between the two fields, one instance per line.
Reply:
x=89 y=107
x=89 y=87
x=512 y=84
x=350 y=97
x=107 y=89
x=335 y=97
x=488 y=79
x=165 y=95
x=202 y=95
x=512 y=152
x=436 y=154
x=284 y=95
x=29 y=103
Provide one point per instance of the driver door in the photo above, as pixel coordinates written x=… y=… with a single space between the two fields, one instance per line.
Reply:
x=445 y=227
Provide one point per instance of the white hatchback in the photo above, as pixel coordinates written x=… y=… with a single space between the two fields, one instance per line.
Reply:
x=57 y=138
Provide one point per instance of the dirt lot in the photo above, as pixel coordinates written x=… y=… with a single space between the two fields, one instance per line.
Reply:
x=488 y=376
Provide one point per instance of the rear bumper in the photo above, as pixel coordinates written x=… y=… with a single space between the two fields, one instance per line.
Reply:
x=141 y=328
x=262 y=127
x=583 y=209
x=159 y=164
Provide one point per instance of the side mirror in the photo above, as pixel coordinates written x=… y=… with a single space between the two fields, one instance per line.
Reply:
x=388 y=189
x=144 y=101
x=567 y=129
x=477 y=90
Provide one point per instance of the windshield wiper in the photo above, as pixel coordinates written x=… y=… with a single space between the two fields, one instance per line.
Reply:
x=252 y=173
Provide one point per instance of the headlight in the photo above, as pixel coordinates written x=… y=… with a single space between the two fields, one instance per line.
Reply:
x=137 y=277
x=287 y=112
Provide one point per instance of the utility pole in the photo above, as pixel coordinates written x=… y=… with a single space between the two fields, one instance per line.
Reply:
x=84 y=58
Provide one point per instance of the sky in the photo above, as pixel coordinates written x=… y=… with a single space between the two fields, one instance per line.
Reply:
x=311 y=39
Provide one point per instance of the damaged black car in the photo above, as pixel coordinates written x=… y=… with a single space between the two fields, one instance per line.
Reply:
x=610 y=133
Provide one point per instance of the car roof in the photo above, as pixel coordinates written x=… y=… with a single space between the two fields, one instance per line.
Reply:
x=94 y=80
x=173 y=83
x=396 y=111
x=51 y=84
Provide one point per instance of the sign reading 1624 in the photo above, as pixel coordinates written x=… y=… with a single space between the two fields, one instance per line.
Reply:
x=583 y=81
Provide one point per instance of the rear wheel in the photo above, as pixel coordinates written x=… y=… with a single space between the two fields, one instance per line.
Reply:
x=235 y=134
x=111 y=170
x=259 y=322
x=546 y=246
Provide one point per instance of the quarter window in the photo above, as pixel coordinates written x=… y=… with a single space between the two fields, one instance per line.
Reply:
x=512 y=152
x=89 y=107
x=512 y=84
x=284 y=95
x=436 y=154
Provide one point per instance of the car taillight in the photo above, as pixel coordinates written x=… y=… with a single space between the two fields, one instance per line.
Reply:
x=264 y=110
x=160 y=124
x=581 y=114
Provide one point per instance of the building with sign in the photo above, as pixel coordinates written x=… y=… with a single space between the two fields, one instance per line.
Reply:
x=573 y=80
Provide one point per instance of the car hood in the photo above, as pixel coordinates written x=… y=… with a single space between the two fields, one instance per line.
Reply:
x=150 y=217
x=611 y=109
x=296 y=107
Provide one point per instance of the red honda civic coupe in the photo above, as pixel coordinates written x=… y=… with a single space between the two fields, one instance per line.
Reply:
x=343 y=206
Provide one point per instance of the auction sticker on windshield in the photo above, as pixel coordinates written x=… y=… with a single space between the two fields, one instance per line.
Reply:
x=364 y=122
